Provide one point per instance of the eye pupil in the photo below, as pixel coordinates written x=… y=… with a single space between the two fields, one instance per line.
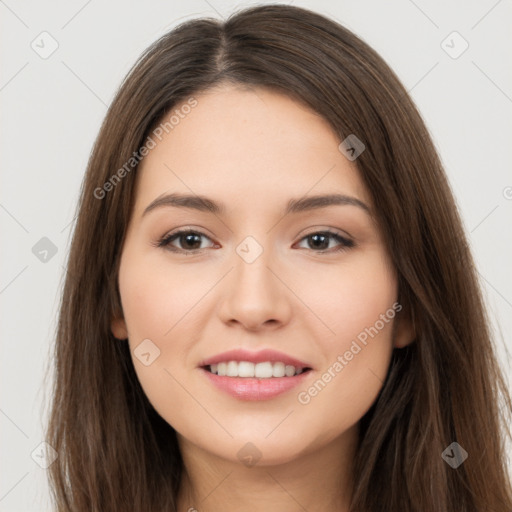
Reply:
x=316 y=238
x=189 y=237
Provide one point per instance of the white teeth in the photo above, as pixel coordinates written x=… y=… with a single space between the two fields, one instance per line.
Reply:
x=289 y=371
x=245 y=369
x=278 y=370
x=232 y=369
x=264 y=370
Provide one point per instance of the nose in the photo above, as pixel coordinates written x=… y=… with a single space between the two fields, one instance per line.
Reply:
x=255 y=296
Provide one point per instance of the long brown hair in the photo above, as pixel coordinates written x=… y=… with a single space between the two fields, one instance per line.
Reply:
x=115 y=453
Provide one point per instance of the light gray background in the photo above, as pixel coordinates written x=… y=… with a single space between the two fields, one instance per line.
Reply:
x=52 y=109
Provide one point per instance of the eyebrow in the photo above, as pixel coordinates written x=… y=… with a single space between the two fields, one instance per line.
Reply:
x=205 y=204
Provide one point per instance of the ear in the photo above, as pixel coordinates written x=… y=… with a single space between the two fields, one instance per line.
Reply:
x=404 y=330
x=118 y=328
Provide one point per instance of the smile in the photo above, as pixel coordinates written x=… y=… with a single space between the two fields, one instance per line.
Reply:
x=249 y=375
x=246 y=369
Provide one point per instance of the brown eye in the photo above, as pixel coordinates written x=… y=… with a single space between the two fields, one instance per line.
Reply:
x=190 y=241
x=320 y=241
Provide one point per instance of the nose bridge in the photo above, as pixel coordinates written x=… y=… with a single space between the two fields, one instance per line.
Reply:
x=252 y=274
x=254 y=295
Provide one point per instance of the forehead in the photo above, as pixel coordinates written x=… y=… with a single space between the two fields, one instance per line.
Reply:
x=246 y=146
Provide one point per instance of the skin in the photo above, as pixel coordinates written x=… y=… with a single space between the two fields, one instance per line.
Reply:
x=254 y=150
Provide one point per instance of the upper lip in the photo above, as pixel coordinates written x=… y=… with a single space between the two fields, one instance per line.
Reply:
x=255 y=357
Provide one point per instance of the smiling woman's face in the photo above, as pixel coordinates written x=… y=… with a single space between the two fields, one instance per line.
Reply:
x=257 y=272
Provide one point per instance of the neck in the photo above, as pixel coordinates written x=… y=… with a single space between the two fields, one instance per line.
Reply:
x=316 y=481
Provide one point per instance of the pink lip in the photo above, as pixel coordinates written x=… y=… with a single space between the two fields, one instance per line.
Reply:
x=255 y=357
x=246 y=388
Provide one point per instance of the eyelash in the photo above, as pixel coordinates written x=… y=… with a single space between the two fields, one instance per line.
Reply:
x=166 y=240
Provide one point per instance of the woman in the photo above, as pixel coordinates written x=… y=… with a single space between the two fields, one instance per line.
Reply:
x=270 y=301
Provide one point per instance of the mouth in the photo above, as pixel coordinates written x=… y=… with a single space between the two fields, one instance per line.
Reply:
x=249 y=375
x=267 y=376
x=262 y=370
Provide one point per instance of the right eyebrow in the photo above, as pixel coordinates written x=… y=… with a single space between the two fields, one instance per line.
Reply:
x=195 y=202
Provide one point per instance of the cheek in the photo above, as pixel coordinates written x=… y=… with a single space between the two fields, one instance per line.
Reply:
x=350 y=297
x=161 y=306
x=158 y=301
x=357 y=305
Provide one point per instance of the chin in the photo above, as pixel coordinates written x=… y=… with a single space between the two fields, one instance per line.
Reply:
x=254 y=449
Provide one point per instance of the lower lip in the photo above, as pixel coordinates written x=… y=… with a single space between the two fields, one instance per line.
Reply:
x=247 y=388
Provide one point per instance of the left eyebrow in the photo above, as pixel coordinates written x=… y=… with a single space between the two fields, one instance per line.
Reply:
x=322 y=201
x=205 y=204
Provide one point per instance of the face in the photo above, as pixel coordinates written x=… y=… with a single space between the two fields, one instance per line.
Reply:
x=293 y=286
